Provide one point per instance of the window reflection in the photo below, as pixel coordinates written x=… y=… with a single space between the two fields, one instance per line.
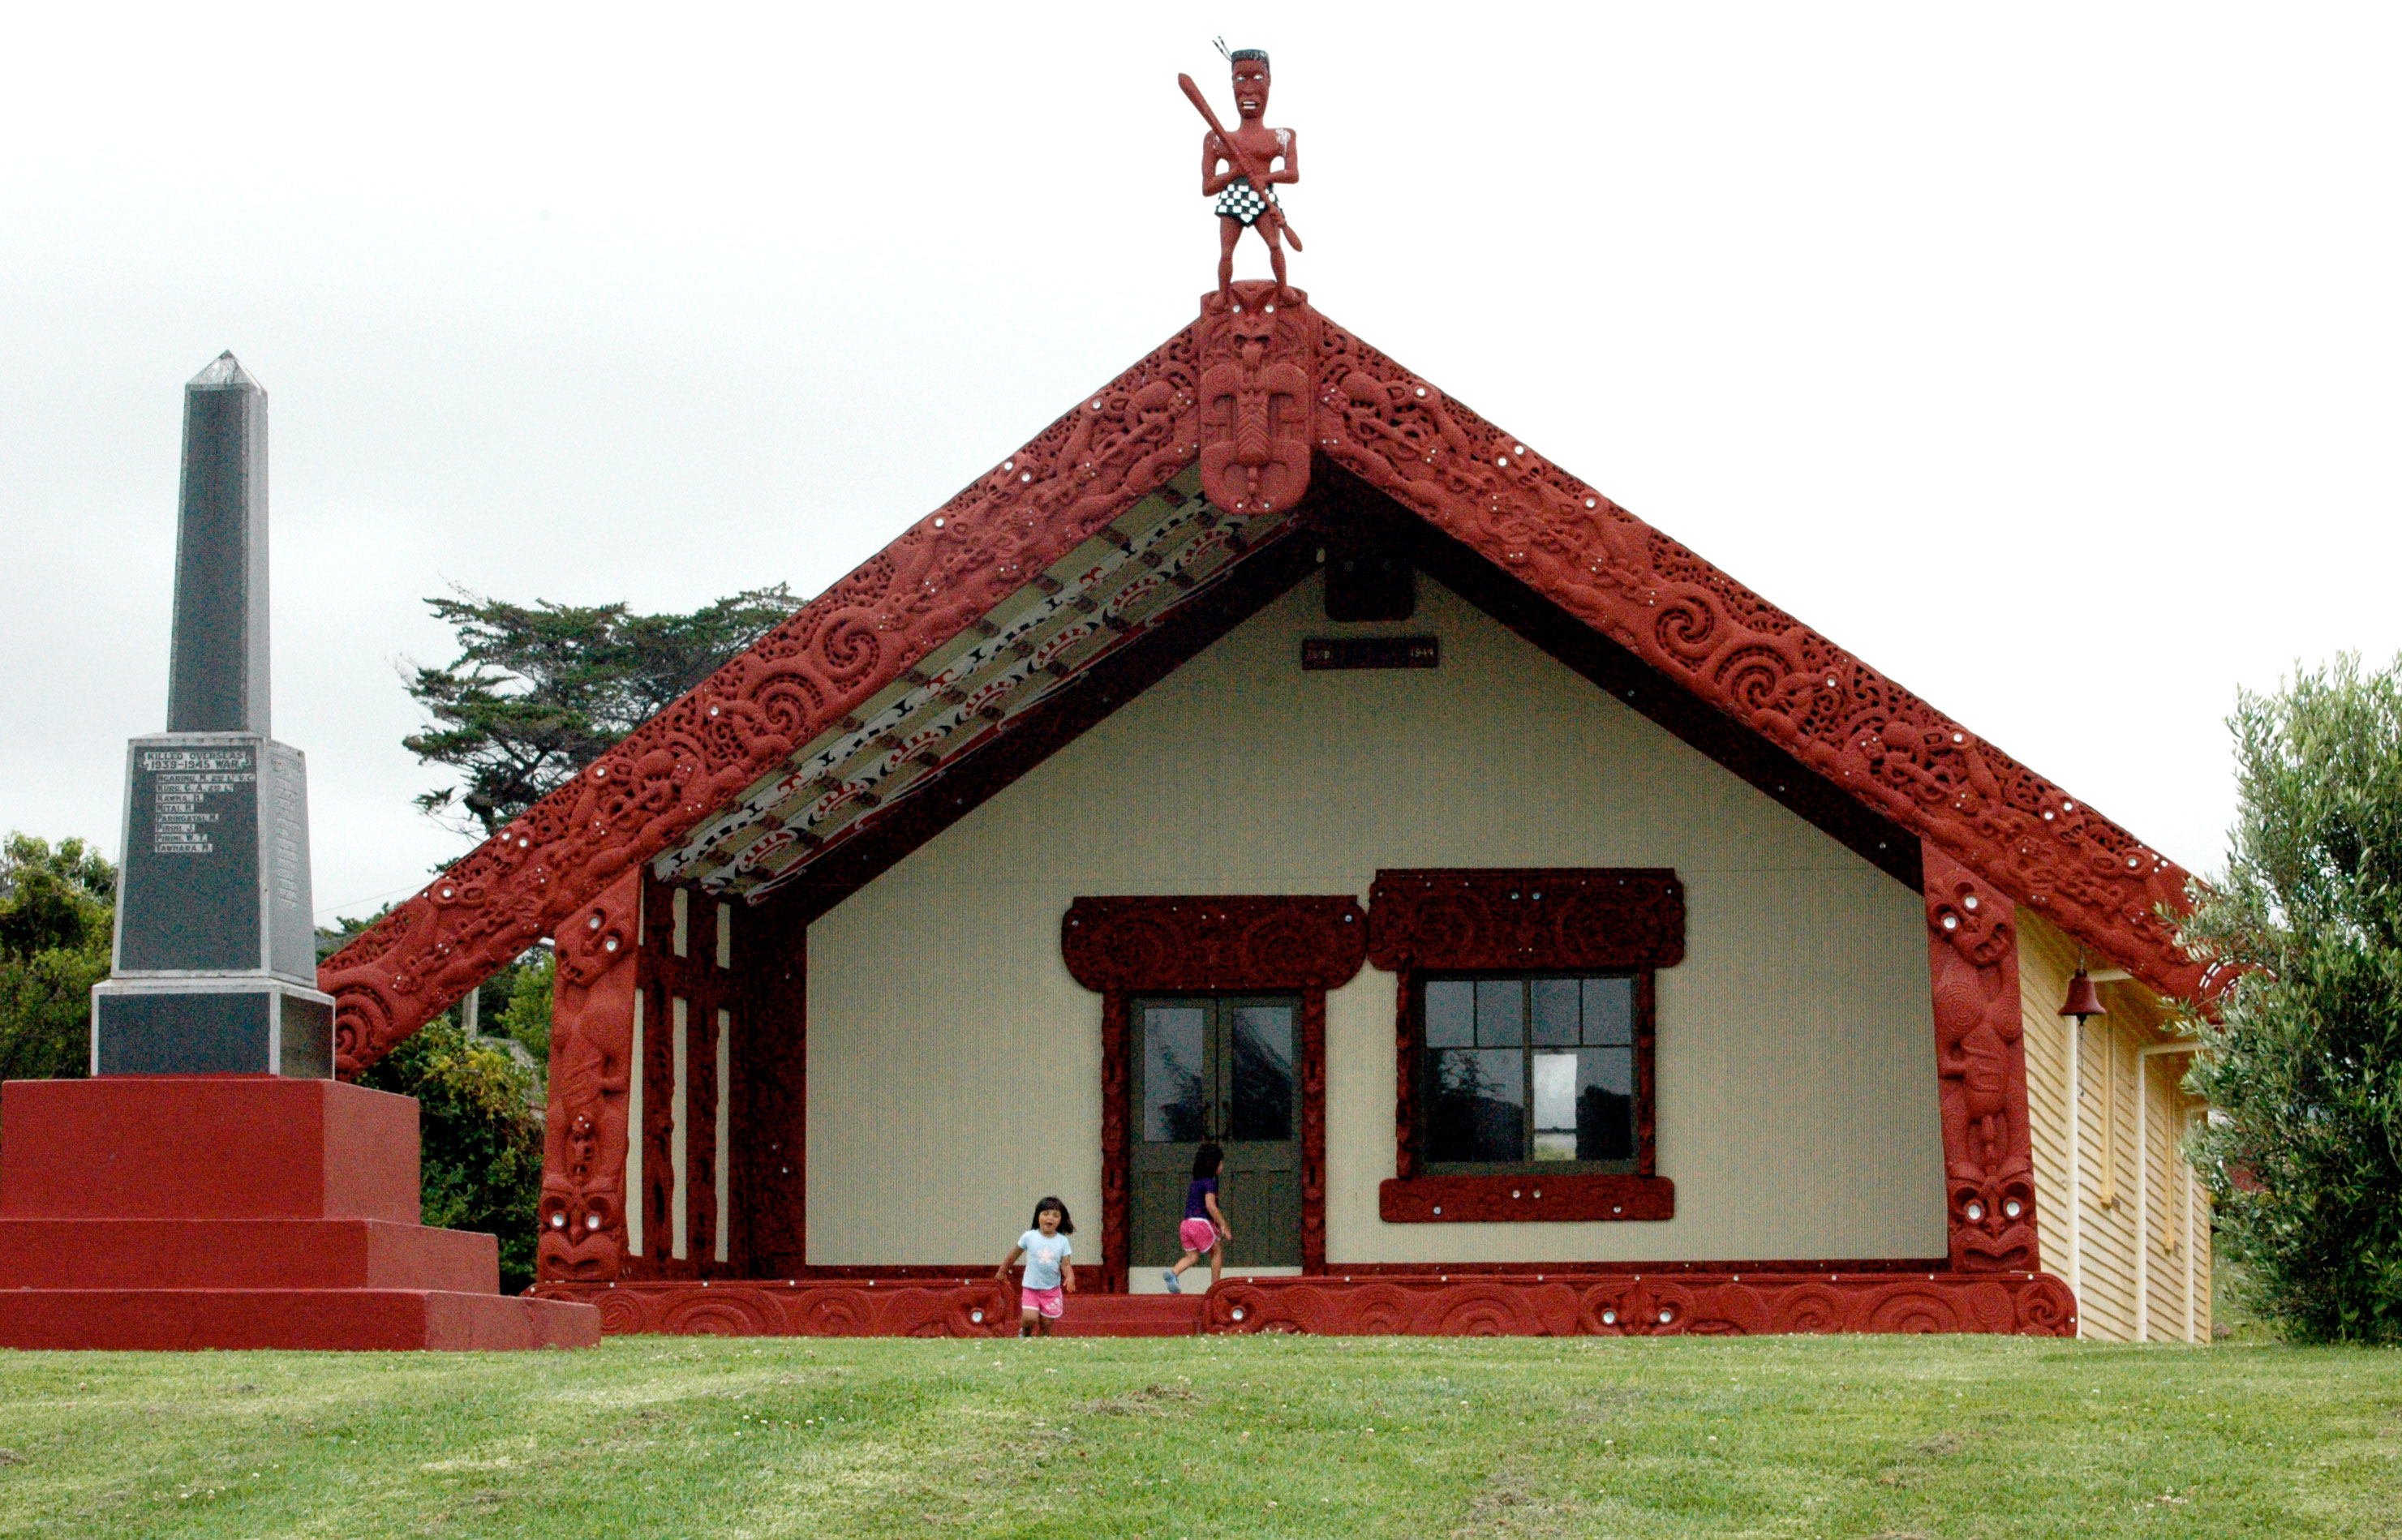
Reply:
x=1263 y=1072
x=1529 y=1069
x=1175 y=1088
x=1476 y=1108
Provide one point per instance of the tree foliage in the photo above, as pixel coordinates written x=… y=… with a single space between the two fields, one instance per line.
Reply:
x=526 y=1013
x=57 y=908
x=2303 y=1052
x=539 y=692
x=480 y=1137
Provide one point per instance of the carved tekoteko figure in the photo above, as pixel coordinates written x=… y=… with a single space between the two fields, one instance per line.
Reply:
x=1241 y=169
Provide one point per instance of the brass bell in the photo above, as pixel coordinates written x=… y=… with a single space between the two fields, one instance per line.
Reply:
x=2083 y=998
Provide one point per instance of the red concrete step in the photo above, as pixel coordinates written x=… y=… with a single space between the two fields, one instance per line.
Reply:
x=1131 y=1315
x=308 y=1319
x=82 y=1254
x=207 y=1147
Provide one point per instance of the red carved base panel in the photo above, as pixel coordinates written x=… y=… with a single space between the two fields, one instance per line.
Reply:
x=774 y=1307
x=1488 y=1200
x=952 y=1307
x=1578 y=1303
x=1594 y=1304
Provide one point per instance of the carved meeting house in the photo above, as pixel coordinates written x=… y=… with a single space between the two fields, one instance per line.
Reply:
x=1556 y=936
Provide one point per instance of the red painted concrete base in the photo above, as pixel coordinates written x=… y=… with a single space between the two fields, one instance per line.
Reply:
x=1572 y=1303
x=237 y=1211
x=322 y=1319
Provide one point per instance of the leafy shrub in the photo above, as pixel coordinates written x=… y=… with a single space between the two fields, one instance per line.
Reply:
x=56 y=910
x=481 y=1139
x=2303 y=1057
x=526 y=1017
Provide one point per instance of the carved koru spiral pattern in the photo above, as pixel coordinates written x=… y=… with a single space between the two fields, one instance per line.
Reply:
x=1698 y=626
x=1552 y=918
x=1235 y=942
x=1571 y=1304
x=977 y=1309
x=1980 y=1069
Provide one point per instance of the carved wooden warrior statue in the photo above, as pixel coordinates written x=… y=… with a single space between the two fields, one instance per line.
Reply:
x=1241 y=169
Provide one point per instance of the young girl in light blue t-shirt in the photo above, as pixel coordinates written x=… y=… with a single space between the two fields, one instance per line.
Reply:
x=1048 y=1270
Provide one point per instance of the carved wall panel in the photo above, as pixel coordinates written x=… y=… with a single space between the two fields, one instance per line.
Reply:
x=1125 y=946
x=1980 y=1069
x=583 y=1212
x=1312 y=1131
x=1116 y=1119
x=659 y=1175
x=771 y=1096
x=694 y=977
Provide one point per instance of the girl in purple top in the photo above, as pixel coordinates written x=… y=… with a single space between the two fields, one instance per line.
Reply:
x=1205 y=1227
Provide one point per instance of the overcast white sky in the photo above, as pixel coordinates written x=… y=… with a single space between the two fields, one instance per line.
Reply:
x=2045 y=354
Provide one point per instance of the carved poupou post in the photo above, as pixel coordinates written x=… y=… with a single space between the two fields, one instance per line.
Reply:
x=1980 y=1069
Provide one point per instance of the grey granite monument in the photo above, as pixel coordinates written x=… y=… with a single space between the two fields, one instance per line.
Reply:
x=217 y=959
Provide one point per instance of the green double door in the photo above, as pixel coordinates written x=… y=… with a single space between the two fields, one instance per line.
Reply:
x=1222 y=1067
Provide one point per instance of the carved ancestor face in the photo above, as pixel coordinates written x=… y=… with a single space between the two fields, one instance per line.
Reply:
x=1251 y=89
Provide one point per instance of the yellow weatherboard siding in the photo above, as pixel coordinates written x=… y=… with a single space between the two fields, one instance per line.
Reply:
x=2160 y=1228
x=954 y=1068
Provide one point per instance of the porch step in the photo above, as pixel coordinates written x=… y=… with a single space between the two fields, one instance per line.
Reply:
x=1131 y=1315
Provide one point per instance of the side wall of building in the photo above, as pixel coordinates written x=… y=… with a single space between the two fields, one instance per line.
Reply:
x=954 y=1068
x=2139 y=1210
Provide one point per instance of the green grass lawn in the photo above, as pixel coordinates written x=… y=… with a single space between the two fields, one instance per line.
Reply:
x=1863 y=1435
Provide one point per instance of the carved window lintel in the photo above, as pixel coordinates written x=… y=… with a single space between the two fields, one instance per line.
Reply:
x=1487 y=1200
x=1525 y=920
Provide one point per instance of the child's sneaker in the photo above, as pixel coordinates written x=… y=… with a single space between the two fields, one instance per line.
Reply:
x=1175 y=1285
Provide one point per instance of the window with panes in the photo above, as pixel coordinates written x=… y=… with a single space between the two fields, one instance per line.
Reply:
x=1532 y=1071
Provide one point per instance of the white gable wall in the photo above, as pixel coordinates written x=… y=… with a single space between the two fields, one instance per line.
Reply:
x=954 y=1068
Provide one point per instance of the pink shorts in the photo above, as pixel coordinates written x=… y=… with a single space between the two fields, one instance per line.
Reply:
x=1197 y=1234
x=1048 y=1301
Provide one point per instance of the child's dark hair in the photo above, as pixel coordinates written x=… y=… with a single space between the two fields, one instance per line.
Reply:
x=1067 y=1226
x=1207 y=1159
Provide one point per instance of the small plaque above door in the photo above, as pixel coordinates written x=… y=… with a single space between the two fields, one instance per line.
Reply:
x=1370 y=653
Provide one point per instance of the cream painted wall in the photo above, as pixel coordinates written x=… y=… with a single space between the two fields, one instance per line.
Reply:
x=2169 y=1226
x=954 y=1067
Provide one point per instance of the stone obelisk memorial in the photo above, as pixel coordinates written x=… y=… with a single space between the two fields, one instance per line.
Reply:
x=211 y=1185
x=216 y=960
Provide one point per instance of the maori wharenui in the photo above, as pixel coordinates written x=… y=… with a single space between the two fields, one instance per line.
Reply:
x=1276 y=751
